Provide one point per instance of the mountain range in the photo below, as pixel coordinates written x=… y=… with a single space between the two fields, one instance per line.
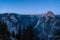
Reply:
x=21 y=27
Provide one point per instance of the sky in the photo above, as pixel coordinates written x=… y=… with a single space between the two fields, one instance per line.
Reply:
x=29 y=6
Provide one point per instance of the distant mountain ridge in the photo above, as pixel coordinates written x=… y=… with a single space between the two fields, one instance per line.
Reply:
x=44 y=26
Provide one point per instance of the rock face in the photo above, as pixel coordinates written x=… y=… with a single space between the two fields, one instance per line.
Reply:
x=29 y=27
x=16 y=27
x=47 y=27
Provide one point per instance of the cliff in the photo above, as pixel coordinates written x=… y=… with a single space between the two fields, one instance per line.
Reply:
x=30 y=27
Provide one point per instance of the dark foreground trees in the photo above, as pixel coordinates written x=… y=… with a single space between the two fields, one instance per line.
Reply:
x=28 y=33
x=3 y=31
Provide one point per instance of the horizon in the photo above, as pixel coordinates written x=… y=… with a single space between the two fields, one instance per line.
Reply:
x=30 y=7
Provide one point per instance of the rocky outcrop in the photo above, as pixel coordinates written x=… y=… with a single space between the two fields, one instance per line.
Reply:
x=45 y=27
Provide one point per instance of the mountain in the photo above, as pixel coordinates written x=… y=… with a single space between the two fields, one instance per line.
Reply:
x=18 y=27
x=15 y=22
x=48 y=27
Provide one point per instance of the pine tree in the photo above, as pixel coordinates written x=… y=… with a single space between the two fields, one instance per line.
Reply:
x=28 y=33
x=3 y=30
x=18 y=36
